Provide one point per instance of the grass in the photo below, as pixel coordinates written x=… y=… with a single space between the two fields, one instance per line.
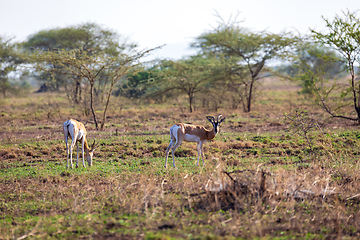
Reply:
x=261 y=180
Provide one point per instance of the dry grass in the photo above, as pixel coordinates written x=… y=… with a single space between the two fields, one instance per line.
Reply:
x=260 y=181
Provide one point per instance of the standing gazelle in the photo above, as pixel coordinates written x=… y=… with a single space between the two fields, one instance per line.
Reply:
x=192 y=133
x=76 y=130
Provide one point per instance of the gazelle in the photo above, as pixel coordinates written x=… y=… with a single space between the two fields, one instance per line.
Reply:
x=76 y=130
x=192 y=133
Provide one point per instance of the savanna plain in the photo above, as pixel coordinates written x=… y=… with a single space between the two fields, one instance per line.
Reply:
x=266 y=175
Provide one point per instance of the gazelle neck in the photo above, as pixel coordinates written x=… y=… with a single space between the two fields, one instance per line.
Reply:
x=210 y=134
x=86 y=146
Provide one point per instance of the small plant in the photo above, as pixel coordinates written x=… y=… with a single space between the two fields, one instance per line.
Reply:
x=302 y=124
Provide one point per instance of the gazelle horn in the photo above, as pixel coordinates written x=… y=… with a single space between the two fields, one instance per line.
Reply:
x=211 y=118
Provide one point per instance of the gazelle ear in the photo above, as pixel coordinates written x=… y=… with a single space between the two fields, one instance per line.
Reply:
x=221 y=120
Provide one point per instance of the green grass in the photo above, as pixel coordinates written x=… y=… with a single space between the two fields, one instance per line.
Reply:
x=128 y=194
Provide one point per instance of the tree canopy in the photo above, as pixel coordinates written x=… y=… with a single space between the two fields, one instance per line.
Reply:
x=189 y=76
x=246 y=53
x=10 y=58
x=97 y=57
x=88 y=61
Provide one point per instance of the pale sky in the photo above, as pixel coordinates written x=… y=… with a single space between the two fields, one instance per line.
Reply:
x=151 y=23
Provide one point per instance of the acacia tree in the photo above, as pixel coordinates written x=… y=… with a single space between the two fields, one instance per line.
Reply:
x=246 y=52
x=53 y=40
x=89 y=65
x=343 y=35
x=9 y=60
x=89 y=38
x=313 y=64
x=188 y=76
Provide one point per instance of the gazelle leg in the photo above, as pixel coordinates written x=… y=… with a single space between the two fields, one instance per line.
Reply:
x=77 y=156
x=199 y=152
x=202 y=153
x=71 y=150
x=82 y=151
x=67 y=153
x=177 y=144
x=168 y=150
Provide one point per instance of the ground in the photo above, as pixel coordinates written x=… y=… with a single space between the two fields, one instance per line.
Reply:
x=263 y=179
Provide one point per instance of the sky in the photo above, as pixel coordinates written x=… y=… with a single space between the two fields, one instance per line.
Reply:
x=175 y=23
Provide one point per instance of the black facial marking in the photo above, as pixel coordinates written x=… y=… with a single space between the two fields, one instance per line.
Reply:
x=216 y=126
x=215 y=123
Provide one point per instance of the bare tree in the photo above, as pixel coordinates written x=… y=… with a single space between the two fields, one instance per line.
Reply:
x=89 y=66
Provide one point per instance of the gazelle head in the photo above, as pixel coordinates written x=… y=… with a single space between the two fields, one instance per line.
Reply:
x=90 y=153
x=216 y=123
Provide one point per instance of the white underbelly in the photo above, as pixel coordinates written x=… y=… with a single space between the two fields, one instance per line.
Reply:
x=191 y=138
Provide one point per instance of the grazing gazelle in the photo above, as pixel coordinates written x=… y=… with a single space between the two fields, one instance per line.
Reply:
x=192 y=133
x=76 y=130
